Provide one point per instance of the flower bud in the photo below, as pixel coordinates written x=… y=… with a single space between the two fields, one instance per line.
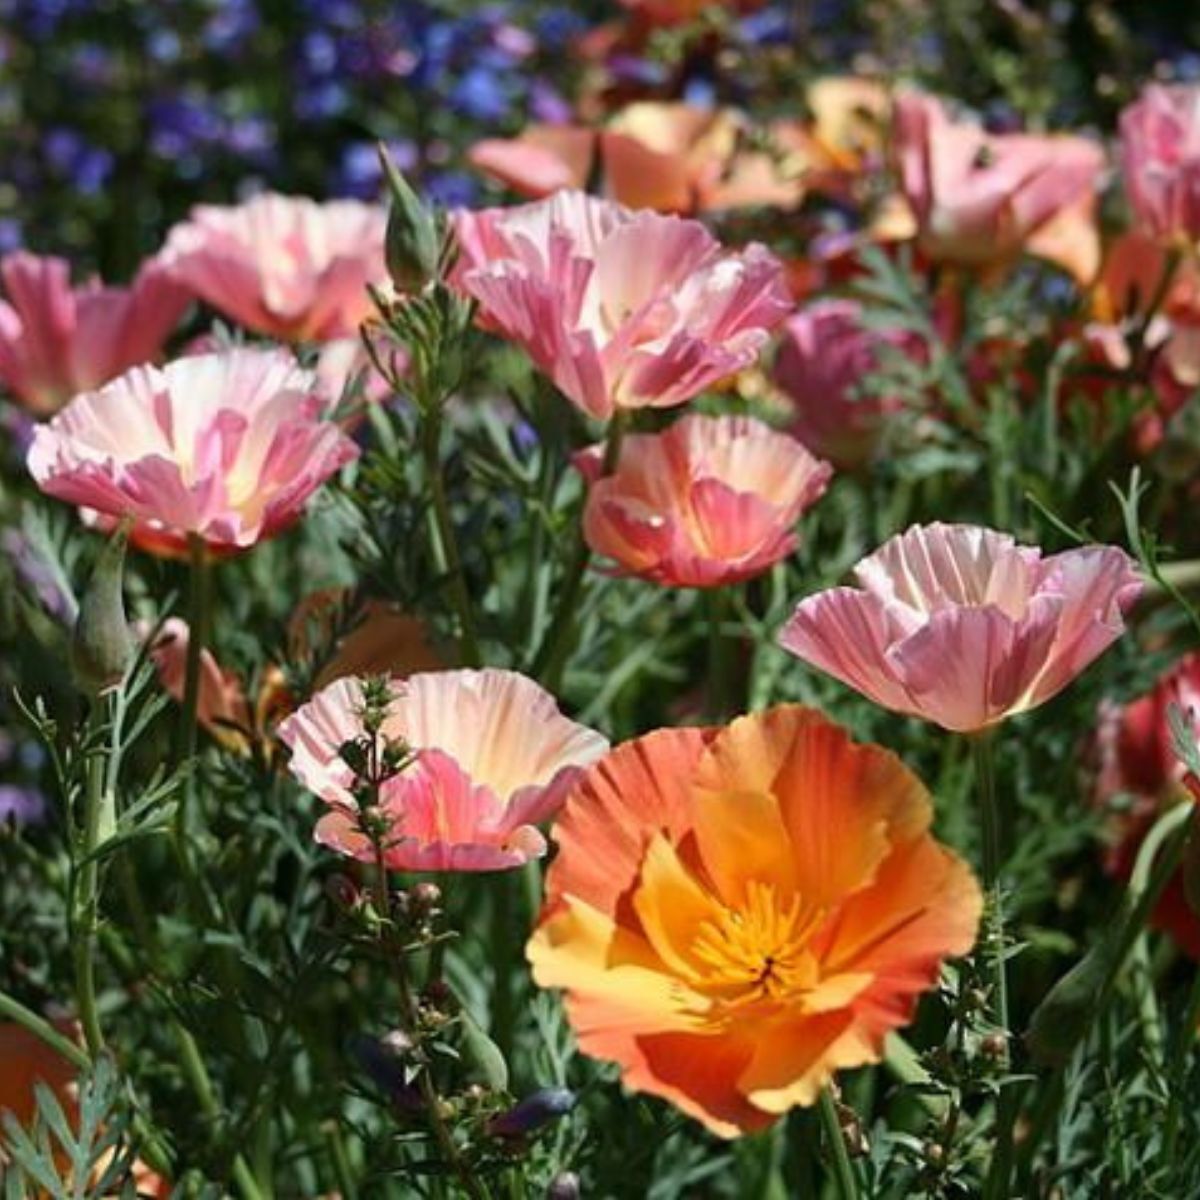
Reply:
x=538 y=1109
x=564 y=1186
x=342 y=892
x=426 y=898
x=481 y=1053
x=386 y=1070
x=413 y=242
x=103 y=647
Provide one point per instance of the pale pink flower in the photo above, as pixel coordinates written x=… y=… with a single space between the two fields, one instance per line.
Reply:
x=347 y=378
x=226 y=446
x=493 y=757
x=57 y=341
x=710 y=501
x=1160 y=160
x=620 y=309
x=284 y=266
x=962 y=626
x=980 y=199
x=825 y=360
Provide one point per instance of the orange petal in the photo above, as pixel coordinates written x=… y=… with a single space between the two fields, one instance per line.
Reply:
x=611 y=814
x=842 y=804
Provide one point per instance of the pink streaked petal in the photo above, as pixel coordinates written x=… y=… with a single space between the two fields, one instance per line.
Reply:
x=847 y=633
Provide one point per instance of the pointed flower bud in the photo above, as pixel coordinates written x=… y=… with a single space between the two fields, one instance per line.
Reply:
x=414 y=244
x=103 y=647
x=538 y=1109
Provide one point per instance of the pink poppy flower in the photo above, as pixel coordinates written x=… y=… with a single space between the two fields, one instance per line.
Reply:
x=57 y=341
x=620 y=309
x=963 y=627
x=284 y=266
x=493 y=758
x=228 y=446
x=1139 y=776
x=710 y=501
x=825 y=359
x=980 y=199
x=1160 y=160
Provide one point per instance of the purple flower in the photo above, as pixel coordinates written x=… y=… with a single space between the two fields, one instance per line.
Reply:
x=22 y=806
x=548 y=105
x=10 y=234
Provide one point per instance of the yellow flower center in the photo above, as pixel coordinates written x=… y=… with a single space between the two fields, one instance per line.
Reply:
x=759 y=951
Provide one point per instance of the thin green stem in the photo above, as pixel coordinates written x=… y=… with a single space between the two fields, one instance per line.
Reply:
x=552 y=655
x=1179 y=1065
x=993 y=856
x=395 y=954
x=342 y=1170
x=847 y=1182
x=196 y=1074
x=14 y=1010
x=720 y=665
x=198 y=616
x=447 y=542
x=87 y=893
x=1151 y=873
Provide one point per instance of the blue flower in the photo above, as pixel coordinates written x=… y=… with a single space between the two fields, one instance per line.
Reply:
x=452 y=189
x=22 y=806
x=482 y=95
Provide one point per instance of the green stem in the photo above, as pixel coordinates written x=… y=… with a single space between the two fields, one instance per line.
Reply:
x=87 y=894
x=408 y=1016
x=1147 y=882
x=551 y=658
x=341 y=1161
x=447 y=543
x=1179 y=1064
x=196 y=1074
x=14 y=1010
x=847 y=1184
x=985 y=782
x=720 y=665
x=199 y=597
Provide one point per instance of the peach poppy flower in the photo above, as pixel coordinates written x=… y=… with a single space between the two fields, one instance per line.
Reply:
x=962 y=626
x=980 y=199
x=1160 y=161
x=493 y=758
x=736 y=914
x=1138 y=776
x=27 y=1061
x=283 y=266
x=57 y=341
x=620 y=309
x=221 y=705
x=709 y=501
x=671 y=157
x=226 y=446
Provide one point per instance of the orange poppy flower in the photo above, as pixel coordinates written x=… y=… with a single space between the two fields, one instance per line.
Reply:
x=737 y=913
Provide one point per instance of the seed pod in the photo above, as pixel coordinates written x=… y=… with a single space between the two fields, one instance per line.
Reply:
x=103 y=647
x=483 y=1054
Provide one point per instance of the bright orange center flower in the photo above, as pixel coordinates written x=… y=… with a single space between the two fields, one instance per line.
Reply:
x=736 y=914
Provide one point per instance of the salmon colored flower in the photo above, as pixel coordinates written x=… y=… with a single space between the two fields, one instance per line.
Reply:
x=736 y=914
x=284 y=266
x=963 y=627
x=980 y=199
x=221 y=705
x=25 y=1062
x=1160 y=161
x=227 y=446
x=824 y=365
x=709 y=501
x=492 y=757
x=28 y=1061
x=670 y=157
x=1138 y=776
x=620 y=309
x=57 y=341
